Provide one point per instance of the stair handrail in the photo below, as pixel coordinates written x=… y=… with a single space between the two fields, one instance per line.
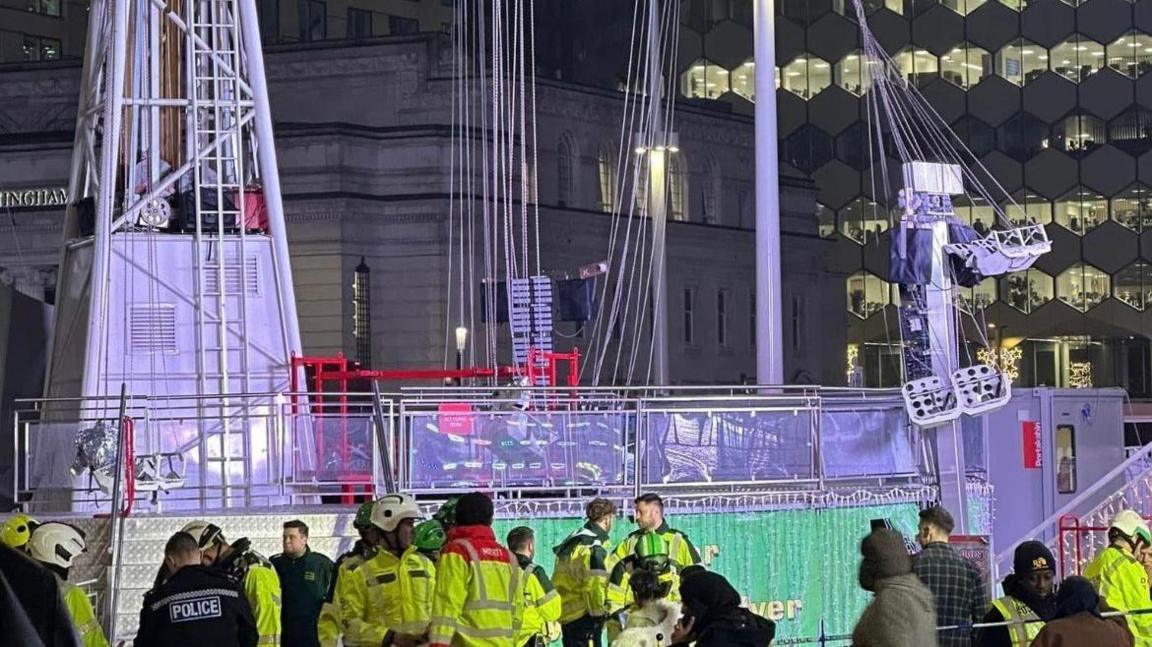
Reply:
x=1053 y=520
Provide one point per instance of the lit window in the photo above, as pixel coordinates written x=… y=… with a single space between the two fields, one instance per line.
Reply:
x=722 y=318
x=849 y=73
x=677 y=183
x=564 y=171
x=1078 y=133
x=826 y=219
x=806 y=76
x=1081 y=210
x=1131 y=208
x=965 y=65
x=867 y=294
x=704 y=80
x=689 y=316
x=975 y=212
x=979 y=297
x=1065 y=459
x=1130 y=131
x=963 y=7
x=917 y=65
x=1083 y=286
x=1027 y=290
x=362 y=313
x=1131 y=54
x=1020 y=61
x=744 y=80
x=1133 y=285
x=1017 y=5
x=606 y=164
x=902 y=7
x=1077 y=58
x=863 y=220
x=1028 y=208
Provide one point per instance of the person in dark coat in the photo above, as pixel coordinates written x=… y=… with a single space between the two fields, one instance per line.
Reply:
x=1078 y=622
x=713 y=616
x=1028 y=599
x=32 y=612
x=902 y=612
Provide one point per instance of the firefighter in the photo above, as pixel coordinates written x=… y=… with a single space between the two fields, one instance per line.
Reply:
x=250 y=568
x=1119 y=575
x=541 y=624
x=581 y=576
x=196 y=605
x=330 y=624
x=390 y=600
x=16 y=531
x=56 y=546
x=650 y=553
x=479 y=599
x=681 y=552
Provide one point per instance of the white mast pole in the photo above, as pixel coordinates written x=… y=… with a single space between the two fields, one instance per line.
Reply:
x=769 y=344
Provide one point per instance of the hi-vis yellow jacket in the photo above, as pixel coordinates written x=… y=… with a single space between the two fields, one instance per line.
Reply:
x=389 y=594
x=681 y=554
x=83 y=616
x=479 y=599
x=329 y=626
x=541 y=604
x=581 y=574
x=1123 y=583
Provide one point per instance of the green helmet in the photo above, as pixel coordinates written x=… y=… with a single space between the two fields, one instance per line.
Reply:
x=429 y=535
x=363 y=519
x=652 y=550
x=446 y=515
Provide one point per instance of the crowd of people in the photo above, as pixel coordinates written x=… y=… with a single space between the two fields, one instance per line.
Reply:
x=448 y=581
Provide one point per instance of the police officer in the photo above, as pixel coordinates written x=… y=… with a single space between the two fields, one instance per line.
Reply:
x=250 y=568
x=196 y=606
x=305 y=577
x=56 y=545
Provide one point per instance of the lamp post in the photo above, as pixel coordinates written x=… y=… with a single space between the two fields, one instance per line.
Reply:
x=461 y=344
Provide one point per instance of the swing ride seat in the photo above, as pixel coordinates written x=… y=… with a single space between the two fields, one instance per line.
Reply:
x=930 y=401
x=151 y=478
x=980 y=388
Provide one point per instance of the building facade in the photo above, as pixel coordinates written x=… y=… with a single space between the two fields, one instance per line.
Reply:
x=367 y=182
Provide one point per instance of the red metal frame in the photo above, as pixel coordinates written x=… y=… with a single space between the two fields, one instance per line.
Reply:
x=1071 y=523
x=544 y=364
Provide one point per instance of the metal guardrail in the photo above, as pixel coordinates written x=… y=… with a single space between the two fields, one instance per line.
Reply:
x=533 y=442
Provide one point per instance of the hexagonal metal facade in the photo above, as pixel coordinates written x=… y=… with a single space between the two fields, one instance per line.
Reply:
x=1049 y=96
x=1047 y=22
x=1107 y=170
x=992 y=25
x=1104 y=20
x=1106 y=93
x=993 y=100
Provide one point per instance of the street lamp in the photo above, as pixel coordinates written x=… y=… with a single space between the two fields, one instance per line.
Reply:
x=461 y=344
x=658 y=147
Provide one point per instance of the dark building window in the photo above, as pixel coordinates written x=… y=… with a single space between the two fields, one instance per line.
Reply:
x=45 y=7
x=722 y=318
x=38 y=48
x=359 y=23
x=402 y=25
x=313 y=20
x=689 y=316
x=269 y=11
x=362 y=313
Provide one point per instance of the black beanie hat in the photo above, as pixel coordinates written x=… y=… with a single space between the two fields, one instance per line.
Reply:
x=885 y=553
x=474 y=509
x=1032 y=556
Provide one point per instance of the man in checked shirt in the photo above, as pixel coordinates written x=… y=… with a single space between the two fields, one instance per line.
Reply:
x=954 y=581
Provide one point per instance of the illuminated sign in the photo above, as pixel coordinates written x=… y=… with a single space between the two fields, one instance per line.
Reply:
x=34 y=197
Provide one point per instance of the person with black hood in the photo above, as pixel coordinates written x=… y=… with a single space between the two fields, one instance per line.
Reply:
x=902 y=612
x=1078 y=622
x=713 y=616
x=1028 y=601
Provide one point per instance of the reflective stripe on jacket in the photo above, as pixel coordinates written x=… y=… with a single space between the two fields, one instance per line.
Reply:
x=581 y=573
x=479 y=599
x=83 y=616
x=262 y=588
x=1123 y=583
x=541 y=604
x=330 y=625
x=1022 y=631
x=681 y=554
x=388 y=594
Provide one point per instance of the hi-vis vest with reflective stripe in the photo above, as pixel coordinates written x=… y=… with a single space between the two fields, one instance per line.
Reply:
x=388 y=593
x=581 y=574
x=1014 y=611
x=83 y=616
x=1123 y=584
x=330 y=625
x=541 y=607
x=262 y=588
x=479 y=600
x=681 y=554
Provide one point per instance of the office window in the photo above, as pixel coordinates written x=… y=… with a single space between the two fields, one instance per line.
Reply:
x=1077 y=58
x=862 y=220
x=1078 y=134
x=1027 y=208
x=704 y=80
x=1065 y=459
x=1131 y=54
x=917 y=65
x=1083 y=286
x=362 y=313
x=722 y=318
x=689 y=316
x=606 y=165
x=402 y=25
x=867 y=294
x=1133 y=285
x=38 y=48
x=359 y=23
x=744 y=80
x=268 y=13
x=1027 y=290
x=849 y=73
x=313 y=20
x=1130 y=131
x=45 y=7
x=1020 y=61
x=1081 y=210
x=677 y=181
x=806 y=76
x=965 y=65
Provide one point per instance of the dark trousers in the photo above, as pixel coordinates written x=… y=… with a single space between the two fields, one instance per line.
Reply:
x=584 y=632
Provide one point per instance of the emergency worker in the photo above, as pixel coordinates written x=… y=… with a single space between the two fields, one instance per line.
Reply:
x=56 y=546
x=330 y=625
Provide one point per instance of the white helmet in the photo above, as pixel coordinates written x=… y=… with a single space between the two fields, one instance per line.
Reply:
x=1133 y=525
x=205 y=533
x=389 y=511
x=56 y=543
